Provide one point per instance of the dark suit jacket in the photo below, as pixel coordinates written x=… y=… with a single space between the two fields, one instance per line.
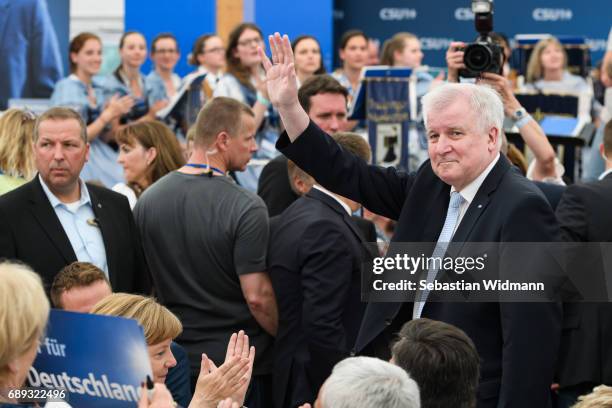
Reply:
x=585 y=215
x=552 y=192
x=273 y=186
x=517 y=342
x=315 y=260
x=31 y=232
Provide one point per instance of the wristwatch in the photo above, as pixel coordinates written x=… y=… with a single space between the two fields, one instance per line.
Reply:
x=519 y=114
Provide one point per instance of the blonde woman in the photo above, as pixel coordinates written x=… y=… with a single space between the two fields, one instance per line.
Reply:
x=24 y=310
x=161 y=327
x=16 y=155
x=547 y=72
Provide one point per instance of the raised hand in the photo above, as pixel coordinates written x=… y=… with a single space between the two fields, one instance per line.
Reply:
x=281 y=80
x=238 y=345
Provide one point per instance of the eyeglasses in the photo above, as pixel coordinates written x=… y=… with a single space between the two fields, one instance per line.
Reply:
x=215 y=50
x=250 y=41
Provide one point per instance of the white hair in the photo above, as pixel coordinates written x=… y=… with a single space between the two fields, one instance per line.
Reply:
x=365 y=382
x=481 y=99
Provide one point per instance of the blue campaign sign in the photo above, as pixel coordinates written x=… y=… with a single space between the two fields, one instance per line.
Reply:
x=437 y=23
x=99 y=360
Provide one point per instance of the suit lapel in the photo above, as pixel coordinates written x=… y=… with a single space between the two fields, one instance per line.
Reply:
x=46 y=217
x=103 y=217
x=481 y=201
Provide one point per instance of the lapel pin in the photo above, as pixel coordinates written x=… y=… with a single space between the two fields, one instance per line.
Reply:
x=99 y=205
x=479 y=205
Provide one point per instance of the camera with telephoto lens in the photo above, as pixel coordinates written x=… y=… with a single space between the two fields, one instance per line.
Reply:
x=483 y=55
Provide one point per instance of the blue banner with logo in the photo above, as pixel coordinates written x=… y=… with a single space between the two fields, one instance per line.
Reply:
x=388 y=115
x=437 y=23
x=99 y=360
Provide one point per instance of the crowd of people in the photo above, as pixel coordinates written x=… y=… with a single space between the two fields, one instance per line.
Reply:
x=238 y=241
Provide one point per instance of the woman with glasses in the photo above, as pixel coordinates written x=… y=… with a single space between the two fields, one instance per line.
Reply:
x=84 y=92
x=164 y=54
x=208 y=56
x=244 y=81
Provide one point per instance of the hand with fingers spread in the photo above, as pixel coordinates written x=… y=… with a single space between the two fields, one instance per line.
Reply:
x=215 y=384
x=238 y=345
x=161 y=397
x=281 y=79
x=281 y=82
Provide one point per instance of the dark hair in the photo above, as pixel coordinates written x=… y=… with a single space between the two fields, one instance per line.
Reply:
x=319 y=84
x=220 y=114
x=607 y=138
x=121 y=44
x=443 y=361
x=234 y=65
x=198 y=48
x=75 y=275
x=346 y=37
x=161 y=36
x=126 y=34
x=154 y=134
x=297 y=40
x=78 y=43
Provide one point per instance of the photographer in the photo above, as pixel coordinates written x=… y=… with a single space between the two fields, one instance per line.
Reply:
x=545 y=166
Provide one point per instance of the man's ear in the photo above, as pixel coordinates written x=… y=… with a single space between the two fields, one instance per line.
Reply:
x=222 y=141
x=494 y=135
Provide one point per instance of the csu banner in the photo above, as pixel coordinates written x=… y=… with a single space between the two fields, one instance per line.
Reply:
x=99 y=360
x=437 y=23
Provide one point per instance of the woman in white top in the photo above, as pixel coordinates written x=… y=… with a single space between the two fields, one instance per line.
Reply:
x=147 y=151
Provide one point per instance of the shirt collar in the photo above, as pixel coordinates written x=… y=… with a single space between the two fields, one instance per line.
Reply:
x=605 y=173
x=469 y=192
x=55 y=202
x=329 y=193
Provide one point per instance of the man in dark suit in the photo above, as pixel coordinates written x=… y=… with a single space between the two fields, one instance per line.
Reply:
x=585 y=357
x=324 y=99
x=466 y=192
x=315 y=257
x=56 y=219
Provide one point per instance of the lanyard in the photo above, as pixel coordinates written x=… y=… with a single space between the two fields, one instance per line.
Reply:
x=205 y=166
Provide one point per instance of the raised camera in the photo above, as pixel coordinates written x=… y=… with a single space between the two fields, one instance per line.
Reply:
x=483 y=55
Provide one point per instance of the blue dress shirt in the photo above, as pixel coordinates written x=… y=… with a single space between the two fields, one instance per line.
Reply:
x=80 y=225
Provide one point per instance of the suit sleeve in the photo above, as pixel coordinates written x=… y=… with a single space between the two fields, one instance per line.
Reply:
x=326 y=276
x=381 y=190
x=530 y=331
x=7 y=242
x=142 y=277
x=571 y=214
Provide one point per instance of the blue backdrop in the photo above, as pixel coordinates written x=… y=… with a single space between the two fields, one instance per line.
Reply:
x=186 y=19
x=59 y=11
x=438 y=23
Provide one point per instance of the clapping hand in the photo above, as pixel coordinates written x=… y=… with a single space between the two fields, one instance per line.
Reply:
x=215 y=384
x=238 y=346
